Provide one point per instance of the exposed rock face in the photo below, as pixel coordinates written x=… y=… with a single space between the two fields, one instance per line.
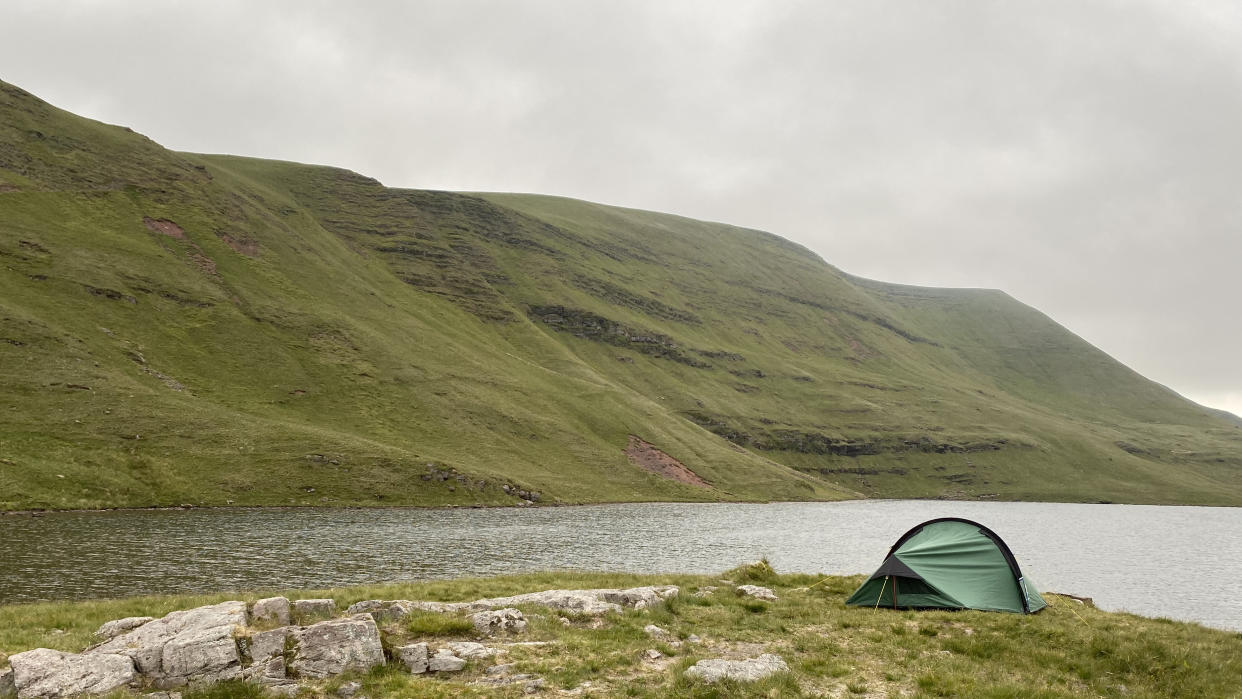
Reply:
x=414 y=657
x=269 y=644
x=445 y=661
x=194 y=643
x=757 y=592
x=274 y=609
x=7 y=687
x=471 y=650
x=308 y=610
x=43 y=672
x=586 y=601
x=116 y=627
x=499 y=621
x=332 y=647
x=748 y=670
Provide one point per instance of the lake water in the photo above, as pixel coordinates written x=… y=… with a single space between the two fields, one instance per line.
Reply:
x=1177 y=562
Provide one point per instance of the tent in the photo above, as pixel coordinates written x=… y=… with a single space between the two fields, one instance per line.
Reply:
x=949 y=563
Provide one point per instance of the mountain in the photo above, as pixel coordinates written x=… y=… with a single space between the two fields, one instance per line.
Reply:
x=205 y=329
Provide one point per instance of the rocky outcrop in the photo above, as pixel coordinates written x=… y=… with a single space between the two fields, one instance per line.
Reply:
x=414 y=657
x=749 y=670
x=272 y=609
x=445 y=661
x=491 y=623
x=116 y=627
x=332 y=647
x=757 y=592
x=50 y=673
x=196 y=643
x=214 y=643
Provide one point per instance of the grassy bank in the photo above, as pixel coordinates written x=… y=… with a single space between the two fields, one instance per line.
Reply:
x=1070 y=649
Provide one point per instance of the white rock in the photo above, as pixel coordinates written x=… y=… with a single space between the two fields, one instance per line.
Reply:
x=307 y=610
x=655 y=631
x=190 y=642
x=332 y=647
x=652 y=654
x=533 y=686
x=414 y=657
x=445 y=661
x=507 y=620
x=471 y=650
x=757 y=592
x=116 y=627
x=7 y=688
x=499 y=670
x=268 y=672
x=43 y=672
x=272 y=609
x=748 y=670
x=266 y=645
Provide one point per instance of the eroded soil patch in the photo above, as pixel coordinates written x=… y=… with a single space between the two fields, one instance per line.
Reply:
x=645 y=456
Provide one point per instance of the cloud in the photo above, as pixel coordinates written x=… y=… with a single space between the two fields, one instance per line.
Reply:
x=1081 y=155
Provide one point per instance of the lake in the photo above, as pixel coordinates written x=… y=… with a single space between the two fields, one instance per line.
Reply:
x=1177 y=562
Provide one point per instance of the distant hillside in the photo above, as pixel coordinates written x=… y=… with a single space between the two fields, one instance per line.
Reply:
x=179 y=328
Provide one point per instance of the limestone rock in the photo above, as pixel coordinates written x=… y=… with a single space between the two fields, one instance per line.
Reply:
x=274 y=609
x=757 y=592
x=748 y=670
x=268 y=672
x=445 y=661
x=43 y=672
x=705 y=591
x=414 y=657
x=287 y=689
x=652 y=654
x=308 y=610
x=196 y=642
x=471 y=650
x=7 y=688
x=506 y=620
x=499 y=670
x=533 y=686
x=332 y=647
x=116 y=627
x=266 y=645
x=348 y=689
x=655 y=631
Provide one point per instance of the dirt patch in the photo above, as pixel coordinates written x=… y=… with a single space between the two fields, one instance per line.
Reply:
x=163 y=225
x=645 y=456
x=245 y=246
x=5 y=188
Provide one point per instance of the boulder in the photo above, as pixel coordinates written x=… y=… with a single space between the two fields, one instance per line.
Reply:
x=506 y=620
x=266 y=645
x=194 y=642
x=748 y=670
x=652 y=654
x=43 y=672
x=646 y=596
x=308 y=610
x=271 y=609
x=655 y=631
x=445 y=661
x=332 y=647
x=7 y=687
x=471 y=650
x=414 y=657
x=116 y=627
x=757 y=592
x=267 y=672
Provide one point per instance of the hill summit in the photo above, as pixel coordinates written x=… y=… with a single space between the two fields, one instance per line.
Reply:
x=214 y=330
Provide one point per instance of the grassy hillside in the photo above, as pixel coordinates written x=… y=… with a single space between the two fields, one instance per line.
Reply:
x=179 y=328
x=1066 y=650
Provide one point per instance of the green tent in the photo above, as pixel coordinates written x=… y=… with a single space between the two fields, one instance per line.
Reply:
x=949 y=563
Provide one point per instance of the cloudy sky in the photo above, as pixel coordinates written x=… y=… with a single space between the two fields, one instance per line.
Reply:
x=1084 y=156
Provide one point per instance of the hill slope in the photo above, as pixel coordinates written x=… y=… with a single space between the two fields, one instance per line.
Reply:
x=213 y=329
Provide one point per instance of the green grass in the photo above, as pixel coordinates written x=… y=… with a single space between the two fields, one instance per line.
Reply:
x=1066 y=650
x=340 y=343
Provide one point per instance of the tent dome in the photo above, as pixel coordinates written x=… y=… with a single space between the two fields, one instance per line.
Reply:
x=949 y=563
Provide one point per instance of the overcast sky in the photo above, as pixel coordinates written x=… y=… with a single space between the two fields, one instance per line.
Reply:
x=1084 y=156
